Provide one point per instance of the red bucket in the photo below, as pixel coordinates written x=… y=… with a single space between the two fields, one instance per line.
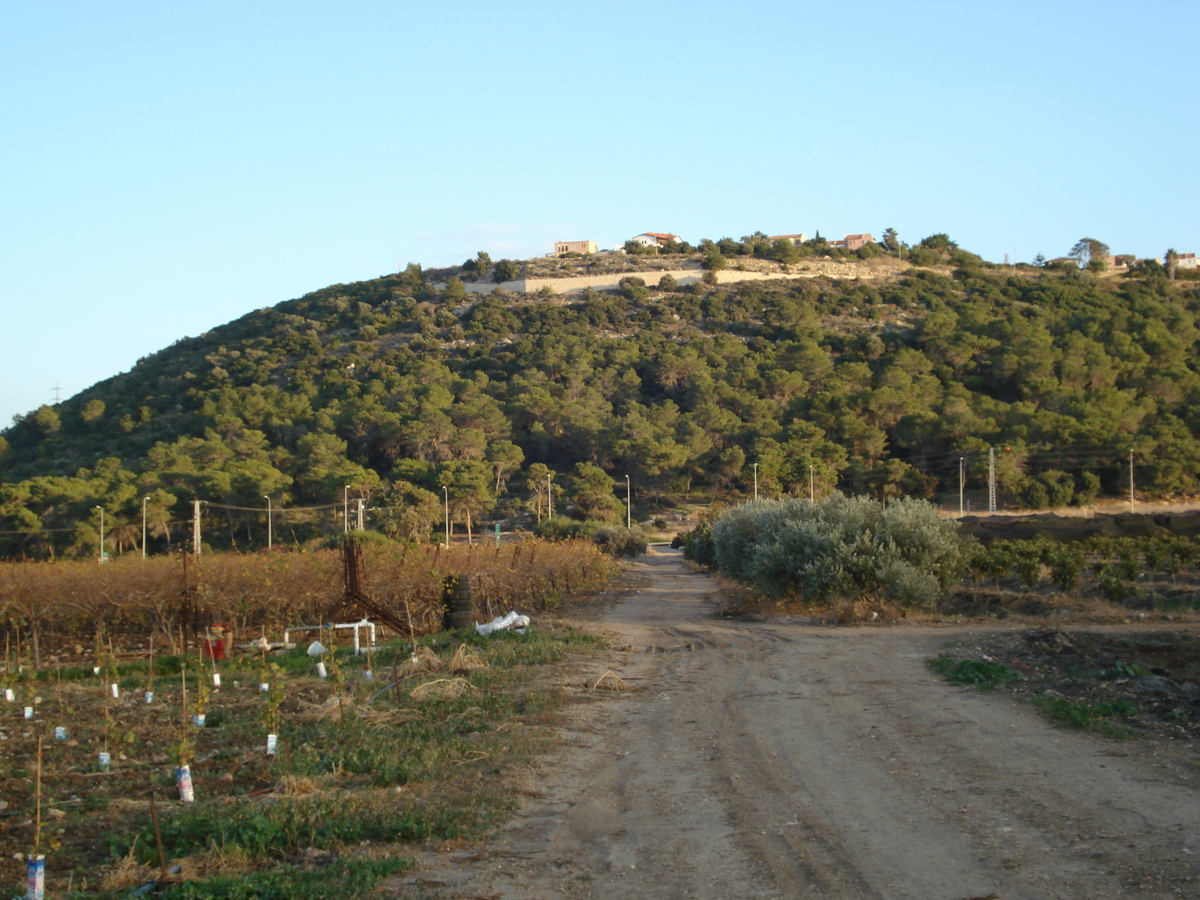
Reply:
x=218 y=642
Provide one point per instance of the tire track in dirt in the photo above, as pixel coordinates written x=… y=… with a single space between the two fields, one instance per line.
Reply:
x=778 y=760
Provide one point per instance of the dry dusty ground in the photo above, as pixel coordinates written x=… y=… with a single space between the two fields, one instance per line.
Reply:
x=774 y=759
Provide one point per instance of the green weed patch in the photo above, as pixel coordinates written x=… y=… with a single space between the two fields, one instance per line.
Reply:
x=1085 y=716
x=980 y=673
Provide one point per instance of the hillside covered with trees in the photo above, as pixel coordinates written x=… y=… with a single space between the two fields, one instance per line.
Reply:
x=409 y=393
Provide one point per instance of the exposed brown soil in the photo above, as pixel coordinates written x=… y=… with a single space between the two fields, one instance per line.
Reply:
x=1156 y=672
x=780 y=759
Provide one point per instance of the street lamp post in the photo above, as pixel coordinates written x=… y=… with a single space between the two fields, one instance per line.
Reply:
x=756 y=481
x=346 y=509
x=628 y=506
x=812 y=498
x=446 y=493
x=268 y=499
x=549 y=498
x=144 y=499
x=101 y=508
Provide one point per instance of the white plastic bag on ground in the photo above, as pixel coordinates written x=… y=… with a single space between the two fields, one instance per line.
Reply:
x=512 y=621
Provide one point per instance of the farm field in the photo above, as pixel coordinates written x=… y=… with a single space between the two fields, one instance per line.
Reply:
x=306 y=767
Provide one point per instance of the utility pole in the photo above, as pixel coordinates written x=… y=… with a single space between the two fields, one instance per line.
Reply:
x=360 y=513
x=812 y=497
x=991 y=481
x=1131 y=501
x=549 y=498
x=446 y=494
x=196 y=527
x=345 y=509
x=756 y=481
x=628 y=506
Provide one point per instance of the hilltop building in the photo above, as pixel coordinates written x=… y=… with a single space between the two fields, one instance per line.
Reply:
x=853 y=241
x=656 y=238
x=796 y=239
x=582 y=247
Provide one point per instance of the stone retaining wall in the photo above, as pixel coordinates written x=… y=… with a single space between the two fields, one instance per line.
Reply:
x=610 y=282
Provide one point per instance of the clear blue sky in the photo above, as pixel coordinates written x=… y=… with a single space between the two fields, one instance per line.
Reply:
x=166 y=167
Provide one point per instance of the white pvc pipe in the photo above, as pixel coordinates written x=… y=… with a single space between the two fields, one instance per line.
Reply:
x=361 y=623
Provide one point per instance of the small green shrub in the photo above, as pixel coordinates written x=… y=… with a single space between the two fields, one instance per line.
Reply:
x=1122 y=669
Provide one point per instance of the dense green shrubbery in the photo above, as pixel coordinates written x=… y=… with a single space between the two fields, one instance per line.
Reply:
x=840 y=547
x=561 y=528
x=617 y=541
x=612 y=539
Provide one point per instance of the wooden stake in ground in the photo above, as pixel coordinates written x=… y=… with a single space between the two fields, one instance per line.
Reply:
x=37 y=819
x=212 y=656
x=108 y=719
x=150 y=672
x=162 y=858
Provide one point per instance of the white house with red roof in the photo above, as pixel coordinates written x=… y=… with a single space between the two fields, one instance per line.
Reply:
x=656 y=238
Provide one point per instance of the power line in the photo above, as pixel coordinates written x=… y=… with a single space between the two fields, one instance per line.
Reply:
x=276 y=510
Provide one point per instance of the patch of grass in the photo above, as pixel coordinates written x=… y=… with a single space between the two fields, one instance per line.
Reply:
x=533 y=648
x=1084 y=716
x=428 y=738
x=982 y=674
x=286 y=826
x=537 y=702
x=1180 y=603
x=342 y=878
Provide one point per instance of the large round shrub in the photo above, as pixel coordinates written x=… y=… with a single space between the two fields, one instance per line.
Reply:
x=848 y=547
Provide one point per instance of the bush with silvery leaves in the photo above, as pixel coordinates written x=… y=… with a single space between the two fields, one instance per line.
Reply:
x=841 y=547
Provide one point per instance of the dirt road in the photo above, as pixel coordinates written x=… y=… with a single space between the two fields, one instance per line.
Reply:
x=781 y=760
